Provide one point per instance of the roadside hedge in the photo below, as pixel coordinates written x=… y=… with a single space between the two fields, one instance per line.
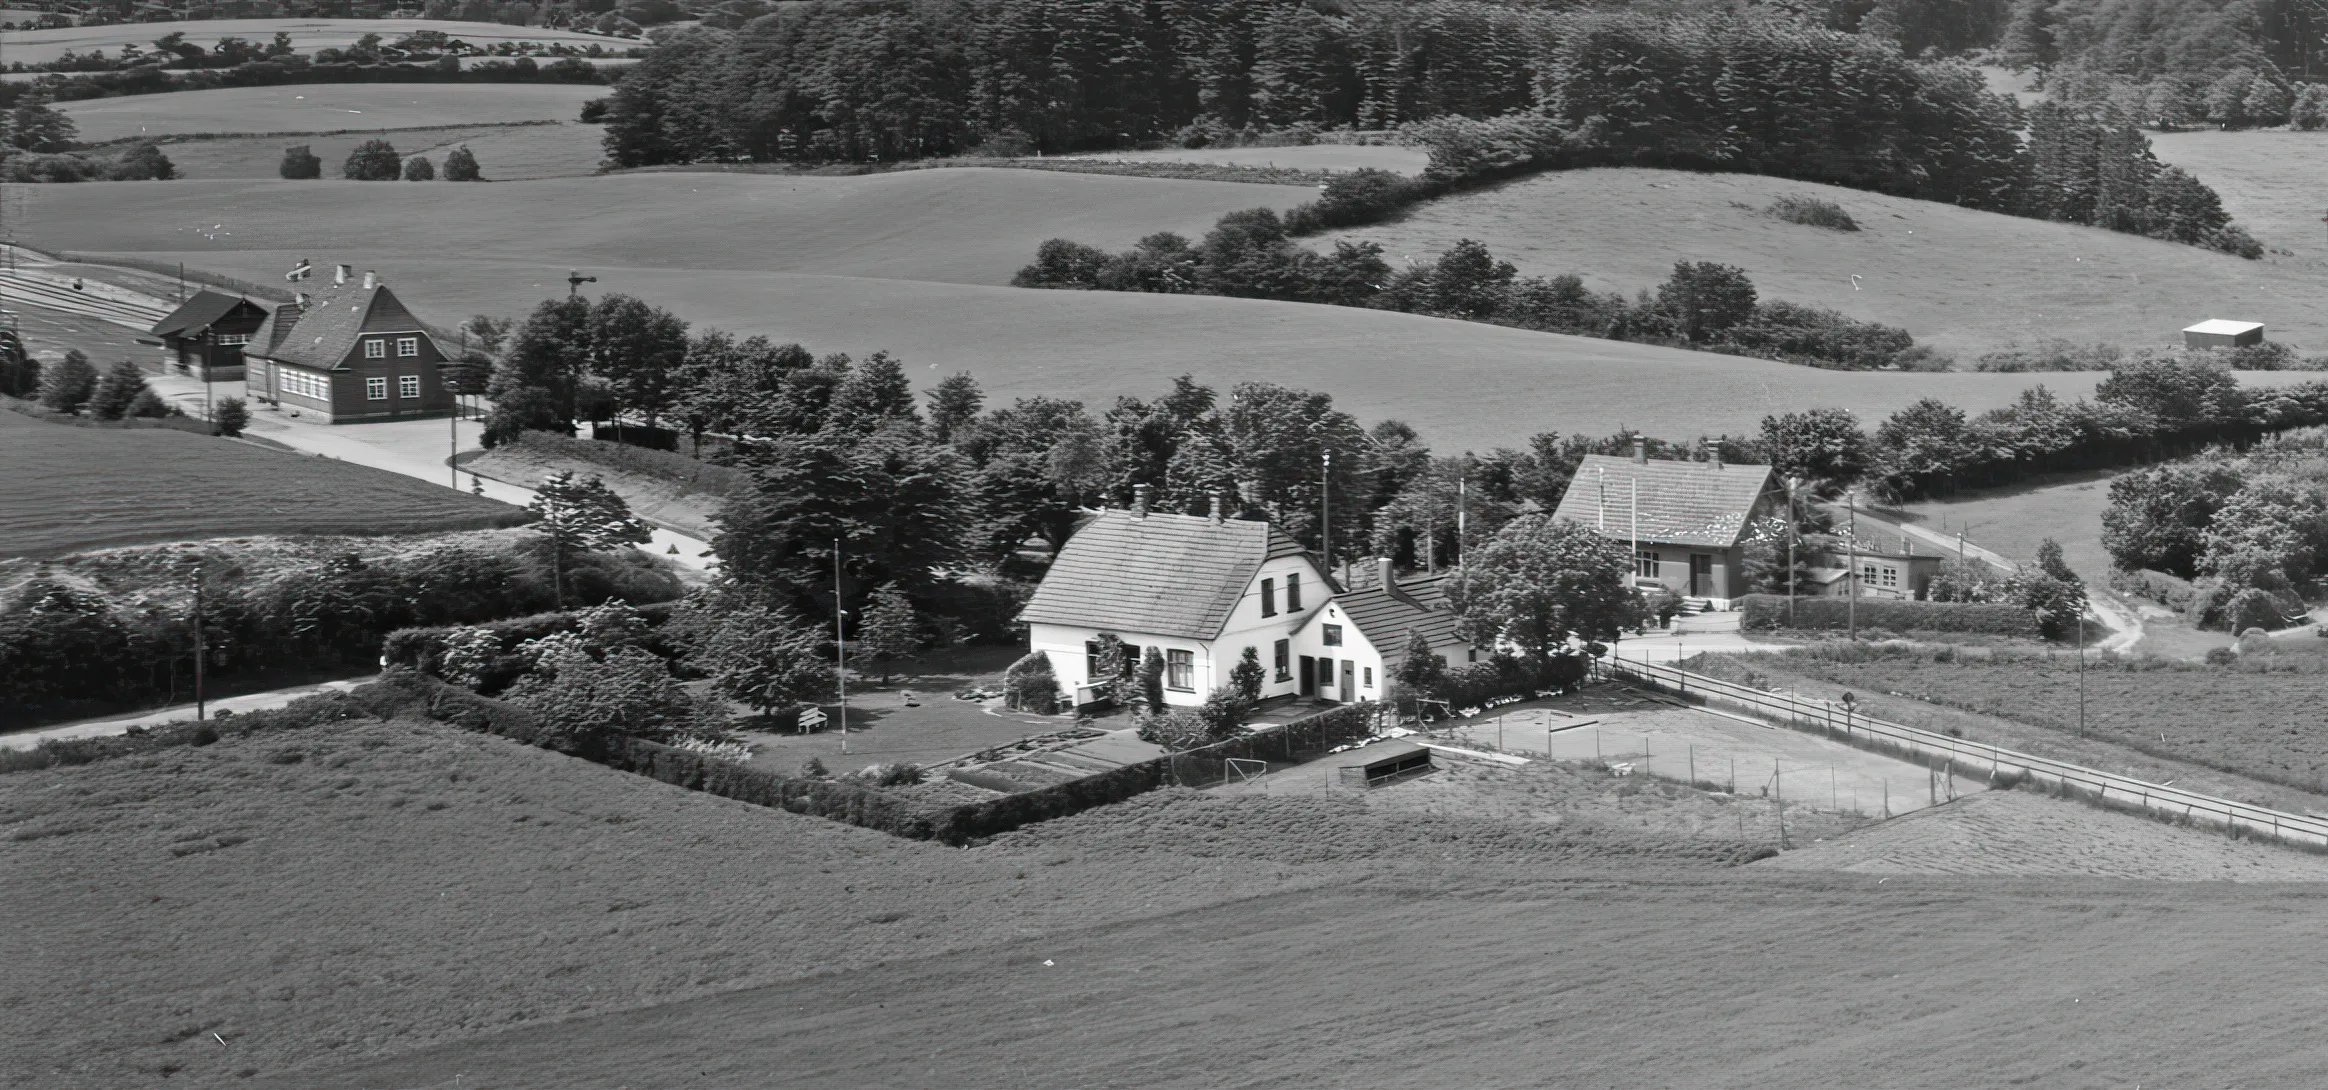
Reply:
x=422 y=647
x=1769 y=611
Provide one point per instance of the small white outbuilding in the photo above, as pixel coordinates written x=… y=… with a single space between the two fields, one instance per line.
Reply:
x=2223 y=333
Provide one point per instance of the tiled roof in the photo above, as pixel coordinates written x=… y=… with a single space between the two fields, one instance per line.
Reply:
x=272 y=331
x=1387 y=616
x=196 y=314
x=1681 y=503
x=326 y=332
x=1164 y=575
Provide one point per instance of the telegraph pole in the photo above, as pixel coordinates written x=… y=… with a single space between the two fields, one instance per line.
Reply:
x=2081 y=673
x=201 y=652
x=840 y=648
x=1326 y=514
x=1851 y=553
x=1792 y=483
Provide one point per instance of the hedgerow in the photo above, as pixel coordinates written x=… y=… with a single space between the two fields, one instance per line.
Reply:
x=1773 y=611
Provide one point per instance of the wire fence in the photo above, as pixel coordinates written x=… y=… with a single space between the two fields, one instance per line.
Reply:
x=1956 y=756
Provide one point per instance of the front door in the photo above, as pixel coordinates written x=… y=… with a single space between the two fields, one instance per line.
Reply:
x=1701 y=574
x=1309 y=676
x=1349 y=681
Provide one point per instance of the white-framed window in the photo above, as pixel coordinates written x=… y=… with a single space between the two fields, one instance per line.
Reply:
x=1180 y=670
x=1867 y=573
x=1891 y=577
x=303 y=384
x=408 y=385
x=1369 y=672
x=376 y=389
x=232 y=339
x=407 y=347
x=1645 y=564
x=375 y=348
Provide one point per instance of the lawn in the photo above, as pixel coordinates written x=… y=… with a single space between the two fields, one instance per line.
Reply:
x=505 y=152
x=84 y=488
x=1400 y=160
x=1962 y=281
x=307 y=35
x=2016 y=520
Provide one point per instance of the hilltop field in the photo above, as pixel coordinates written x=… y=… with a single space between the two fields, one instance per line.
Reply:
x=1963 y=281
x=307 y=35
x=372 y=904
x=914 y=262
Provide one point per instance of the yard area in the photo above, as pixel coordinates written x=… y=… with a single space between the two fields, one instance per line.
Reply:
x=884 y=729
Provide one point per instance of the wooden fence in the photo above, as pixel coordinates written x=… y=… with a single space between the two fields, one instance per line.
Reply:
x=1849 y=727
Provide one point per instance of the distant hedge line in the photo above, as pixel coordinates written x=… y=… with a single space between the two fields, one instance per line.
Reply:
x=150 y=80
x=1770 y=611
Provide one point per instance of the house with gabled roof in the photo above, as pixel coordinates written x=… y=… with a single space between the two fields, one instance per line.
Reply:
x=205 y=336
x=350 y=353
x=1390 y=611
x=1201 y=590
x=1686 y=521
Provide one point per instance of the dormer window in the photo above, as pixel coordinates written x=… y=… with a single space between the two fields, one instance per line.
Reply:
x=1269 y=597
x=375 y=349
x=1293 y=592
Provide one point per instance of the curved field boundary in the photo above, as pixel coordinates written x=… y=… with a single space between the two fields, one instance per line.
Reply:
x=2104 y=788
x=196 y=137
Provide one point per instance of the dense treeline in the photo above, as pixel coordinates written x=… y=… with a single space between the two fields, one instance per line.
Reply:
x=2142 y=41
x=2251 y=530
x=280 y=71
x=1489 y=87
x=1703 y=305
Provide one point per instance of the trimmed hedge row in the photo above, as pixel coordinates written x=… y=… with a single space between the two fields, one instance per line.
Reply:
x=1770 y=611
x=1474 y=683
x=834 y=801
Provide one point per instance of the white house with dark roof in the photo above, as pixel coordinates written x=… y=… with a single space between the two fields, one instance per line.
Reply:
x=1201 y=590
x=1687 y=520
x=1389 y=611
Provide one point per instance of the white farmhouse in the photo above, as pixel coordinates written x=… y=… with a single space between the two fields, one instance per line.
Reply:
x=1201 y=590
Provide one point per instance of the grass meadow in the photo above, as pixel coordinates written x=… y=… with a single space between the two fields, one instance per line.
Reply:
x=325 y=107
x=74 y=488
x=2268 y=180
x=506 y=152
x=1962 y=281
x=1337 y=157
x=307 y=35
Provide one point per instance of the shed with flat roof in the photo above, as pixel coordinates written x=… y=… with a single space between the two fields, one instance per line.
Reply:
x=1381 y=762
x=2223 y=333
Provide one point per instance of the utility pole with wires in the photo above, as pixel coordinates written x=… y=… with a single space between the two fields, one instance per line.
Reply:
x=1326 y=513
x=1851 y=577
x=201 y=649
x=1462 y=531
x=840 y=649
x=2081 y=673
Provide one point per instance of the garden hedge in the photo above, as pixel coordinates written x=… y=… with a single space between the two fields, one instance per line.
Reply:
x=420 y=648
x=1770 y=611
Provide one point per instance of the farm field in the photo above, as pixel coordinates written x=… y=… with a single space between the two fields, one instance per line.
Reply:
x=320 y=896
x=326 y=107
x=2016 y=520
x=2268 y=181
x=2259 y=723
x=507 y=153
x=1399 y=160
x=99 y=487
x=1962 y=281
x=307 y=35
x=1097 y=345
x=1467 y=979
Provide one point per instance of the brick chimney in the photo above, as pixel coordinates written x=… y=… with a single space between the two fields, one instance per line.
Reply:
x=1139 y=501
x=1640 y=449
x=1217 y=514
x=371 y=279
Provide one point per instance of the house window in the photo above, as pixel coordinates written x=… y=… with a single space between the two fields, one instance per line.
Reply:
x=1091 y=659
x=1180 y=670
x=1131 y=660
x=375 y=349
x=1293 y=592
x=1269 y=597
x=1369 y=671
x=1867 y=573
x=1333 y=635
x=1645 y=564
x=230 y=339
x=407 y=347
x=1891 y=577
x=1284 y=660
x=1474 y=654
x=408 y=385
x=376 y=389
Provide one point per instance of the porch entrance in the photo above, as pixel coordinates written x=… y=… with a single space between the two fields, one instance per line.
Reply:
x=1349 y=681
x=1701 y=574
x=1309 y=675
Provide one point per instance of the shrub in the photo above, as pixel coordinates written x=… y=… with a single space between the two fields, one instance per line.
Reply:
x=231 y=416
x=142 y=163
x=373 y=161
x=148 y=405
x=66 y=387
x=461 y=163
x=300 y=164
x=1030 y=685
x=1812 y=212
x=1769 y=611
x=1473 y=684
x=117 y=391
x=419 y=169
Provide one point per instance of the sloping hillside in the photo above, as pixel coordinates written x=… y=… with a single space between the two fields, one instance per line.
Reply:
x=326 y=107
x=962 y=226
x=1463 y=384
x=1963 y=281
x=2269 y=181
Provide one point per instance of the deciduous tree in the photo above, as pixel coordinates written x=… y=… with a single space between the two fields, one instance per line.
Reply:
x=584 y=515
x=1542 y=583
